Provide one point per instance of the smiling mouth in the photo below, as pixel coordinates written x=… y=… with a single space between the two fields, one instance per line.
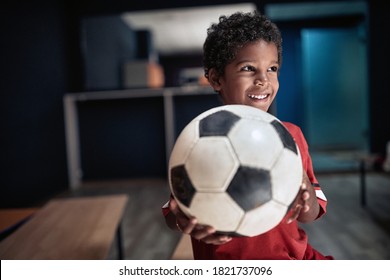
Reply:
x=258 y=96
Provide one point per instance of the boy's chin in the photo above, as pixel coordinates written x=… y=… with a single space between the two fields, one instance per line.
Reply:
x=262 y=107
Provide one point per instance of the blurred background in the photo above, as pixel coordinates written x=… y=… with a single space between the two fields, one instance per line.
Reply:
x=94 y=94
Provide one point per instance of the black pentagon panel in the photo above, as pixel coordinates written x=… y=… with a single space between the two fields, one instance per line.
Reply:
x=217 y=124
x=181 y=184
x=285 y=136
x=250 y=187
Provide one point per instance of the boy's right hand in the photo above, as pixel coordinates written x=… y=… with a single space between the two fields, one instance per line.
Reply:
x=190 y=226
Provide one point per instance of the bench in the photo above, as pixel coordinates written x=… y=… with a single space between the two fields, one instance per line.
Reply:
x=69 y=229
x=12 y=218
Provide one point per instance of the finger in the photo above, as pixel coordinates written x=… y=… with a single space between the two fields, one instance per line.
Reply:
x=295 y=214
x=183 y=223
x=303 y=186
x=174 y=207
x=217 y=239
x=189 y=226
x=180 y=216
x=305 y=196
x=203 y=232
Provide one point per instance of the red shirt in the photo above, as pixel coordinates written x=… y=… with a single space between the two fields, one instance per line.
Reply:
x=285 y=241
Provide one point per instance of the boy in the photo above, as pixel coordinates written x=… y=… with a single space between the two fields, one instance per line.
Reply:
x=242 y=57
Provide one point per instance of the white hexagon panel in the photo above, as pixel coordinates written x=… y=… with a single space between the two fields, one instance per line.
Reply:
x=253 y=139
x=211 y=164
x=217 y=209
x=262 y=219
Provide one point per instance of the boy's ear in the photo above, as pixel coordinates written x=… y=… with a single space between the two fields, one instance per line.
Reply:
x=214 y=79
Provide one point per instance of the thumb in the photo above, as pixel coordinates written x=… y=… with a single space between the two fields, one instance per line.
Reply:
x=173 y=206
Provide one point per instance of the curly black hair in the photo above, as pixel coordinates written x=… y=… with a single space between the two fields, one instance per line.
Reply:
x=226 y=37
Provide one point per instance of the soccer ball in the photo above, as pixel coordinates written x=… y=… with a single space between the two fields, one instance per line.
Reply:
x=236 y=168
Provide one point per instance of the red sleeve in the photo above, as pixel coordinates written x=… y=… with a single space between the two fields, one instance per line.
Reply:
x=307 y=164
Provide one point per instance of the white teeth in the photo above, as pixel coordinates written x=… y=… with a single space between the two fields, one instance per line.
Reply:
x=262 y=96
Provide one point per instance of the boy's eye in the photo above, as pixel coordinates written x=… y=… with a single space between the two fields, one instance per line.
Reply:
x=273 y=69
x=248 y=68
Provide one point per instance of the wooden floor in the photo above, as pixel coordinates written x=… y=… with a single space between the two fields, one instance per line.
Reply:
x=348 y=231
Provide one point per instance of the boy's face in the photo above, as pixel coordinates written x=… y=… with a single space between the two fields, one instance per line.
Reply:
x=251 y=78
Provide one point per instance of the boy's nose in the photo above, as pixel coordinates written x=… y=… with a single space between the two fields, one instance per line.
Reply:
x=261 y=79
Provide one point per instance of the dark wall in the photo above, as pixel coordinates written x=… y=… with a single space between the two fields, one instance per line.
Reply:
x=122 y=138
x=41 y=61
x=379 y=38
x=107 y=44
x=173 y=63
x=33 y=81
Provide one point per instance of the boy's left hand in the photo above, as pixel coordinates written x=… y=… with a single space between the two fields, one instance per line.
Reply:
x=303 y=201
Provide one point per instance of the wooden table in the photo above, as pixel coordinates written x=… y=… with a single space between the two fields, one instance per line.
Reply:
x=69 y=229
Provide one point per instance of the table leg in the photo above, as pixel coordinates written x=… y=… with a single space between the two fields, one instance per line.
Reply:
x=119 y=242
x=363 y=189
